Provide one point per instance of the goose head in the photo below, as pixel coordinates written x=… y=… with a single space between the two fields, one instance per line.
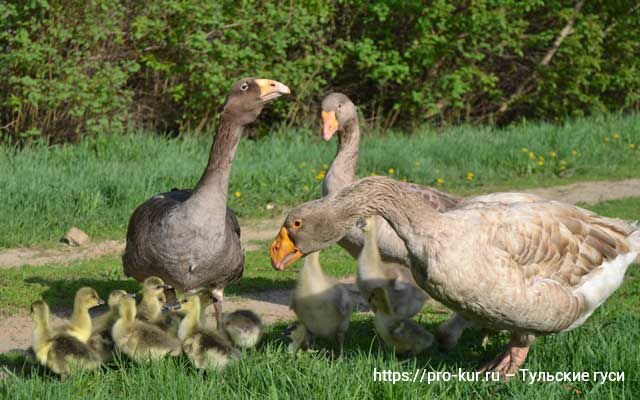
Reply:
x=337 y=111
x=88 y=298
x=248 y=96
x=307 y=229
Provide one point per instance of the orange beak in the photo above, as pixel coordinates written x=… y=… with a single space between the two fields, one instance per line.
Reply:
x=270 y=89
x=283 y=251
x=329 y=124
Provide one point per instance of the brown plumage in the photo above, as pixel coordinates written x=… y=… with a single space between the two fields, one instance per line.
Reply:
x=191 y=238
x=532 y=268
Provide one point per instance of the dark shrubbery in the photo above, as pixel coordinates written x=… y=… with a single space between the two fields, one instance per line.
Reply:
x=71 y=67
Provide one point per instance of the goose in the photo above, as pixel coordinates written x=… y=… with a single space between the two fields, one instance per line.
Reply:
x=60 y=352
x=339 y=115
x=322 y=305
x=80 y=325
x=206 y=349
x=531 y=268
x=139 y=340
x=243 y=327
x=190 y=238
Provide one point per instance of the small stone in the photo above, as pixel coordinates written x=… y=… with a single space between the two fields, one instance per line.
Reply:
x=75 y=237
x=270 y=206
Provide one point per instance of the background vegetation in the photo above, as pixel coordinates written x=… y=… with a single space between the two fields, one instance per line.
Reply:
x=69 y=68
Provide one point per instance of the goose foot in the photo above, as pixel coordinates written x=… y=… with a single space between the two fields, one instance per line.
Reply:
x=508 y=363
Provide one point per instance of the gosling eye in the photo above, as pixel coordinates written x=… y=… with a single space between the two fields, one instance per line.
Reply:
x=244 y=87
x=339 y=106
x=297 y=223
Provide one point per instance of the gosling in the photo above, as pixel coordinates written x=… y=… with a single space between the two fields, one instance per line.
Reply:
x=207 y=350
x=80 y=325
x=61 y=352
x=243 y=327
x=322 y=305
x=139 y=340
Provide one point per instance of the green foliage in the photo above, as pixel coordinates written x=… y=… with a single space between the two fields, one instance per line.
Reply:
x=72 y=67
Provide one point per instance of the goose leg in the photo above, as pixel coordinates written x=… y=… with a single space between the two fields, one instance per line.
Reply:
x=508 y=363
x=218 y=297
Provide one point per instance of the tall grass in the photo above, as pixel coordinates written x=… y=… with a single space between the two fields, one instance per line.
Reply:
x=97 y=183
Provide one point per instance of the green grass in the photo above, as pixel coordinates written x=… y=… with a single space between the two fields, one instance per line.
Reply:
x=608 y=341
x=57 y=284
x=96 y=184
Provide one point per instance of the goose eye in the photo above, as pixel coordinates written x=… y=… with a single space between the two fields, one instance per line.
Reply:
x=339 y=106
x=297 y=223
x=244 y=87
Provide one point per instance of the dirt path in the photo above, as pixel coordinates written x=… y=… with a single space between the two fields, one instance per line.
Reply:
x=260 y=230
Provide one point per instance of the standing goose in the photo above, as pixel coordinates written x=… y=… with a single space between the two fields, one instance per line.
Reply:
x=189 y=238
x=531 y=268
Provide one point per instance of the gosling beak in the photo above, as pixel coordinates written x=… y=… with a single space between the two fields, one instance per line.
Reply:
x=100 y=302
x=167 y=287
x=270 y=89
x=329 y=124
x=132 y=295
x=169 y=307
x=283 y=251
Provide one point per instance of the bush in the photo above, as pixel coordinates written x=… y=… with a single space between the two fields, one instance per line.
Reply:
x=70 y=68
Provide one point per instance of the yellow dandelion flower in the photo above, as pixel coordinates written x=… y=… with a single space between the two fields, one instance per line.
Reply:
x=391 y=171
x=305 y=188
x=320 y=176
x=540 y=158
x=325 y=166
x=616 y=136
x=373 y=173
x=470 y=176
x=440 y=181
x=524 y=150
x=632 y=146
x=532 y=155
x=553 y=154
x=404 y=179
x=417 y=163
x=606 y=139
x=237 y=194
x=574 y=152
x=540 y=163
x=313 y=170
x=562 y=168
x=563 y=162
x=303 y=165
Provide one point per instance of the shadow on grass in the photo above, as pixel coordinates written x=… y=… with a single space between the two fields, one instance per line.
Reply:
x=362 y=339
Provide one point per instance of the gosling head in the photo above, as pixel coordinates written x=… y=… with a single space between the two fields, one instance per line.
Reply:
x=248 y=96
x=39 y=310
x=337 y=111
x=379 y=301
x=87 y=298
x=116 y=296
x=154 y=286
x=189 y=303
